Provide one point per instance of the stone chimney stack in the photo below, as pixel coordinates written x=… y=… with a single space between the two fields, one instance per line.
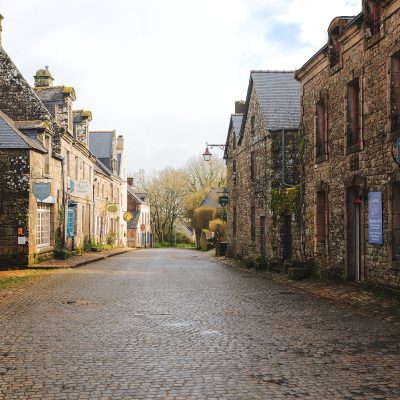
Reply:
x=1 y=30
x=120 y=143
x=239 y=107
x=129 y=181
x=43 y=78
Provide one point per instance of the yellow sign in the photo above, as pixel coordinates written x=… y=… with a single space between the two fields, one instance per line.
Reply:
x=112 y=208
x=128 y=216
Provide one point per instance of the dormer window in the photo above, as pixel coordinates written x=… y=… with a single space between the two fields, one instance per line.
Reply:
x=334 y=47
x=373 y=18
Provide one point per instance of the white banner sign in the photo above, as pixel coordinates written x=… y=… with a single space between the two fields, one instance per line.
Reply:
x=82 y=187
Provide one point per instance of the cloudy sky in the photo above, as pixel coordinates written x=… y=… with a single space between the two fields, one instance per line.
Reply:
x=164 y=73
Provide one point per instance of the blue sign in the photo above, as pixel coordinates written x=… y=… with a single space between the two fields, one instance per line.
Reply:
x=41 y=190
x=375 y=226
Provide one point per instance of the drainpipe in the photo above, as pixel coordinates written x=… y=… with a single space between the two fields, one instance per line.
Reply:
x=63 y=201
x=284 y=162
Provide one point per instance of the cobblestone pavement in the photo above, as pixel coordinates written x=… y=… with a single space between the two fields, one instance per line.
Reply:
x=171 y=324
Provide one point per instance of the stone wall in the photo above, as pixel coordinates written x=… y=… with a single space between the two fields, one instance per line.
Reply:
x=366 y=168
x=14 y=205
x=256 y=192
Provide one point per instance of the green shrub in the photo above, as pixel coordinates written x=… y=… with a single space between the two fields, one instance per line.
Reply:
x=60 y=254
x=111 y=239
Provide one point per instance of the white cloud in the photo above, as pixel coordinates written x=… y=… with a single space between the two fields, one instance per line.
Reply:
x=163 y=73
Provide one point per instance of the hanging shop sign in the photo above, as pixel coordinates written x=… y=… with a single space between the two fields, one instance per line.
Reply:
x=128 y=216
x=375 y=231
x=41 y=191
x=112 y=208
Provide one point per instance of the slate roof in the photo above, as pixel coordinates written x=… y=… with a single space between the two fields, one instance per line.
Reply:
x=137 y=196
x=100 y=144
x=211 y=199
x=237 y=123
x=279 y=96
x=12 y=138
x=102 y=168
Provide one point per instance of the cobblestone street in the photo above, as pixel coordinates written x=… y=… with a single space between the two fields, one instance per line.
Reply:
x=171 y=324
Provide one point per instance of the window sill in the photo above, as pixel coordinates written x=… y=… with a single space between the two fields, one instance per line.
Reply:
x=44 y=249
x=353 y=148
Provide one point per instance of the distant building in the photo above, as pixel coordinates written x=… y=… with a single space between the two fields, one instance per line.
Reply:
x=139 y=228
x=110 y=188
x=260 y=156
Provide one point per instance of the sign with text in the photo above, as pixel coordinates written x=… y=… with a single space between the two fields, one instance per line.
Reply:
x=82 y=187
x=41 y=190
x=375 y=231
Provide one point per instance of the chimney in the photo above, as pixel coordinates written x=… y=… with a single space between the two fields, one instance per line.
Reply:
x=120 y=143
x=1 y=29
x=129 y=181
x=239 y=107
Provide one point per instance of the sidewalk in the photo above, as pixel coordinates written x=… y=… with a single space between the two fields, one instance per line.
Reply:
x=344 y=294
x=78 y=261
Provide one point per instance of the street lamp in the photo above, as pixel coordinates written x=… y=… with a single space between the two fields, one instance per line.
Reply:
x=223 y=200
x=207 y=154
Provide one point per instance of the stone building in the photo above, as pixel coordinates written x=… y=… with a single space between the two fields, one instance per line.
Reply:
x=350 y=117
x=110 y=190
x=261 y=169
x=47 y=179
x=139 y=228
x=78 y=162
x=31 y=192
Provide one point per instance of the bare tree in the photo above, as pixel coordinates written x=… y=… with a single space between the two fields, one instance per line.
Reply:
x=166 y=194
x=203 y=175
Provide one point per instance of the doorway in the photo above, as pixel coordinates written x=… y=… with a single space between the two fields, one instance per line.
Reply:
x=263 y=239
x=353 y=244
x=286 y=236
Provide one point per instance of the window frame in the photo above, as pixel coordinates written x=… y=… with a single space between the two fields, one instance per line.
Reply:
x=353 y=116
x=43 y=236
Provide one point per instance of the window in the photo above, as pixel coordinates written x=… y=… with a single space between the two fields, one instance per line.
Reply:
x=321 y=221
x=396 y=221
x=353 y=112
x=47 y=145
x=334 y=47
x=234 y=221
x=234 y=172
x=395 y=90
x=43 y=225
x=252 y=166
x=76 y=168
x=253 y=125
x=253 y=223
x=373 y=18
x=71 y=222
x=68 y=157
x=320 y=127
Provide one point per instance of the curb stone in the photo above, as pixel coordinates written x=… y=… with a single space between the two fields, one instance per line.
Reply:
x=80 y=263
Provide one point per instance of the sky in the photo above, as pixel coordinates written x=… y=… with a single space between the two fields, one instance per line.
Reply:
x=165 y=74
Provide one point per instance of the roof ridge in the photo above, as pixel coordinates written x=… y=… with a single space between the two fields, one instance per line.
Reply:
x=271 y=71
